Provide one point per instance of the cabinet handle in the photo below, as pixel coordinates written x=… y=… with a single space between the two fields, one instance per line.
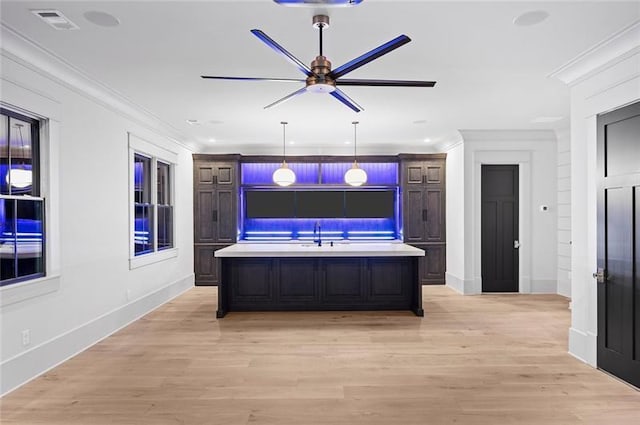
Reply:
x=215 y=179
x=215 y=216
x=424 y=214
x=424 y=179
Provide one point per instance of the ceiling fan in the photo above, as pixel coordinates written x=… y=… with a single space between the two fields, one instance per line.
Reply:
x=320 y=77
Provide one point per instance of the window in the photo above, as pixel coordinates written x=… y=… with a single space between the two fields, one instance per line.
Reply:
x=152 y=195
x=22 y=242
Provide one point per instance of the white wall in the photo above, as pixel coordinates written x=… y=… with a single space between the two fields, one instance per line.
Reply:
x=602 y=79
x=564 y=213
x=90 y=290
x=535 y=153
x=455 y=208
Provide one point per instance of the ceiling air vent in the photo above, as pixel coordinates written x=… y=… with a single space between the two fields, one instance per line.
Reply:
x=318 y=2
x=55 y=19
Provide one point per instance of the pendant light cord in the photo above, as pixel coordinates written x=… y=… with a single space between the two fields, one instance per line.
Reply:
x=284 y=138
x=355 y=123
x=320 y=26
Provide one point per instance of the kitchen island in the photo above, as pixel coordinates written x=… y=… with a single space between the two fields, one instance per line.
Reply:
x=307 y=277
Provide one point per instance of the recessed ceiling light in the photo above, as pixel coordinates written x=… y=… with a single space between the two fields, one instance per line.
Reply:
x=420 y=122
x=55 y=18
x=102 y=19
x=193 y=122
x=427 y=140
x=533 y=17
x=291 y=142
x=540 y=120
x=347 y=142
x=212 y=140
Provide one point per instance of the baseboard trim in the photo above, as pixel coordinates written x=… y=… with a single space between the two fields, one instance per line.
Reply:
x=461 y=286
x=583 y=346
x=454 y=282
x=32 y=363
x=544 y=287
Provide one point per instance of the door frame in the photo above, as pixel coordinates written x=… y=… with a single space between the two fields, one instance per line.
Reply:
x=523 y=159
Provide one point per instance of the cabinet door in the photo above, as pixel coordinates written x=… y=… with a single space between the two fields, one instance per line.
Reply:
x=342 y=281
x=433 y=264
x=225 y=174
x=224 y=216
x=415 y=214
x=389 y=280
x=206 y=216
x=435 y=224
x=207 y=267
x=413 y=172
x=251 y=282
x=434 y=172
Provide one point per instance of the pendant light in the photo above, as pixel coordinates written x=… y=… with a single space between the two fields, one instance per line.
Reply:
x=355 y=176
x=284 y=176
x=20 y=178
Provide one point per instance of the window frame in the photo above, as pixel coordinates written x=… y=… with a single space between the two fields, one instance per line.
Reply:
x=37 y=127
x=139 y=146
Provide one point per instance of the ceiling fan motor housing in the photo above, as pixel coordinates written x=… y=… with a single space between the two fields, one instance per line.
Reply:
x=320 y=82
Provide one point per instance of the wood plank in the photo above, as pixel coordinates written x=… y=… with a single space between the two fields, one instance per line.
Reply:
x=472 y=360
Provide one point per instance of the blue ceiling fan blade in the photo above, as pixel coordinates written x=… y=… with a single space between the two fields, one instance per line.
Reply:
x=278 y=48
x=342 y=97
x=369 y=56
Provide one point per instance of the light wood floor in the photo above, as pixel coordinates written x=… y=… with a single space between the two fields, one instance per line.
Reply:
x=490 y=359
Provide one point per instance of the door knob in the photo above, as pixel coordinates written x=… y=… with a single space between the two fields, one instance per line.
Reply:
x=516 y=244
x=599 y=276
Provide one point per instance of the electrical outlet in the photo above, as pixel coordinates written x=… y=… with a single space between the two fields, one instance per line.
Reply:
x=26 y=337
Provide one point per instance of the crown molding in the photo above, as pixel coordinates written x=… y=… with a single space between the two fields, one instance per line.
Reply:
x=508 y=135
x=613 y=49
x=19 y=48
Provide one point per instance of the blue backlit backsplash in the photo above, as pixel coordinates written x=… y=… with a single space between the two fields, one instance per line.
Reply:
x=380 y=175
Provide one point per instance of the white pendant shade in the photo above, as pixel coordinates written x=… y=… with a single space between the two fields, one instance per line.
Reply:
x=19 y=178
x=355 y=176
x=284 y=176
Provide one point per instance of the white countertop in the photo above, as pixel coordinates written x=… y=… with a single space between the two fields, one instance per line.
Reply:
x=308 y=249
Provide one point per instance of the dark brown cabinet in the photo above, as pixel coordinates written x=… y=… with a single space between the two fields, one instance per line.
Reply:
x=215 y=200
x=423 y=218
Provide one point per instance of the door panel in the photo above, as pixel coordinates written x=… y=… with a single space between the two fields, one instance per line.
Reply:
x=414 y=223
x=297 y=282
x=207 y=267
x=204 y=174
x=499 y=228
x=225 y=174
x=619 y=243
x=434 y=174
x=226 y=215
x=204 y=219
x=432 y=265
x=619 y=232
x=636 y=281
x=622 y=147
x=414 y=174
x=435 y=223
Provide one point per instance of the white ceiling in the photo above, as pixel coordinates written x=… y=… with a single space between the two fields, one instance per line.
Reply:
x=490 y=73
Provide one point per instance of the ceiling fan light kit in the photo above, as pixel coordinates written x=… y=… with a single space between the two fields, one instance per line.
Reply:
x=320 y=78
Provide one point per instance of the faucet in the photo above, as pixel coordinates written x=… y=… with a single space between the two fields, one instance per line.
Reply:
x=318 y=231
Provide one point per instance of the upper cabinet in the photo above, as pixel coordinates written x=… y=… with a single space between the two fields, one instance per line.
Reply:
x=423 y=193
x=423 y=172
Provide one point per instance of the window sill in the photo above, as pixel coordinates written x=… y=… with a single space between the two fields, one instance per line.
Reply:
x=155 y=257
x=28 y=289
